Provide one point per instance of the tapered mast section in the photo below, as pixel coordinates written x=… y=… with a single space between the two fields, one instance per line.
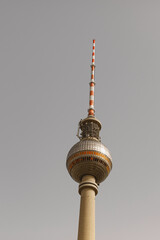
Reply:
x=91 y=110
x=90 y=126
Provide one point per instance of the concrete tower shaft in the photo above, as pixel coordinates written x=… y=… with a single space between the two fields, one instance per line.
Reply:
x=87 y=189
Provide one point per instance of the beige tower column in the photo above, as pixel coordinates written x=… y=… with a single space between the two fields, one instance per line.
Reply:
x=87 y=189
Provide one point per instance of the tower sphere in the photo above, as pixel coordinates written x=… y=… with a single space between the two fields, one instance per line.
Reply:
x=89 y=157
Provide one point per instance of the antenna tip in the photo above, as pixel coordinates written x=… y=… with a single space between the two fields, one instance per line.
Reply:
x=94 y=40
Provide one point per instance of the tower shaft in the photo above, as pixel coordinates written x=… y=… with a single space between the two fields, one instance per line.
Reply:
x=87 y=189
x=89 y=163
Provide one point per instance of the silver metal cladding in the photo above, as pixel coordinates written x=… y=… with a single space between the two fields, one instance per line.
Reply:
x=89 y=157
x=90 y=145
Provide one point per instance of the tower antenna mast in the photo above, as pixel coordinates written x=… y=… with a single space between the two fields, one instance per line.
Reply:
x=91 y=110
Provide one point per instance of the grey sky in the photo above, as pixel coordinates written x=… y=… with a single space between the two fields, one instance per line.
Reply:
x=45 y=62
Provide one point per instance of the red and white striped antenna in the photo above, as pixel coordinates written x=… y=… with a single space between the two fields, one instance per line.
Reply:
x=91 y=110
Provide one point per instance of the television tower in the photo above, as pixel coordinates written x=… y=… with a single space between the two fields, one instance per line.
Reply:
x=89 y=163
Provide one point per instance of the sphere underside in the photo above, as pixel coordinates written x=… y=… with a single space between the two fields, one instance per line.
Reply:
x=89 y=157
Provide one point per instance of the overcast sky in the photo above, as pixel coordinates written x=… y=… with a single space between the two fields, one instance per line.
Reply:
x=45 y=57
